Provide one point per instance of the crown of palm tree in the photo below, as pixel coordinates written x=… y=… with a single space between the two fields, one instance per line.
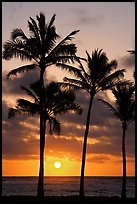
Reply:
x=124 y=108
x=41 y=46
x=98 y=75
x=56 y=102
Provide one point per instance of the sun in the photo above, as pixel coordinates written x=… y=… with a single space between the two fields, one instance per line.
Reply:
x=57 y=164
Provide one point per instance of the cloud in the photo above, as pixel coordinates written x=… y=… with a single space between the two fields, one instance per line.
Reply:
x=105 y=129
x=12 y=85
x=18 y=139
x=128 y=61
x=98 y=159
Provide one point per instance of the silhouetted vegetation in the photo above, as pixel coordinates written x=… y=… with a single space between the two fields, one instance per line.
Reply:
x=124 y=110
x=100 y=75
x=55 y=102
x=42 y=49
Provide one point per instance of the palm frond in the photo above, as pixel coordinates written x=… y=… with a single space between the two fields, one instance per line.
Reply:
x=62 y=43
x=78 y=83
x=18 y=33
x=55 y=125
x=110 y=107
x=52 y=21
x=21 y=69
x=64 y=54
x=68 y=86
x=50 y=39
x=34 y=29
x=15 y=49
x=106 y=69
x=13 y=112
x=30 y=93
x=73 y=107
x=65 y=102
x=64 y=58
x=74 y=70
x=110 y=81
x=48 y=35
x=28 y=107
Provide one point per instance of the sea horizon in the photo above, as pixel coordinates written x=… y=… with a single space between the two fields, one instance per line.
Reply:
x=67 y=185
x=67 y=176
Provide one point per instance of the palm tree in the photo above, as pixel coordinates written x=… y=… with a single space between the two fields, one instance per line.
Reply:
x=99 y=75
x=124 y=110
x=56 y=102
x=40 y=48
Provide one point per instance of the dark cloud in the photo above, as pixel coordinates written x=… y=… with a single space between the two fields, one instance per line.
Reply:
x=105 y=128
x=12 y=85
x=128 y=61
x=63 y=144
x=99 y=126
x=18 y=138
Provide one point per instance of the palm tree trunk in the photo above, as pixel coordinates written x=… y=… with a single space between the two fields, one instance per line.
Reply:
x=40 y=191
x=81 y=192
x=123 y=195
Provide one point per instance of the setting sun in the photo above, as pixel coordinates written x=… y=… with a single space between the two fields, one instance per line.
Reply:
x=57 y=164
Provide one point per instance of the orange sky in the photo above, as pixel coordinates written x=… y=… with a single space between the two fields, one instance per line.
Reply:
x=109 y=26
x=68 y=168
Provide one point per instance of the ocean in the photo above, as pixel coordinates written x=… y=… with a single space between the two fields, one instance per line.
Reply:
x=65 y=186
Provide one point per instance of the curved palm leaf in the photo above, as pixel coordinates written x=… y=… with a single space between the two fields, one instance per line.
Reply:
x=27 y=106
x=21 y=69
x=18 y=33
x=55 y=126
x=58 y=50
x=110 y=107
x=124 y=101
x=111 y=80
x=30 y=93
x=12 y=112
x=16 y=49
x=78 y=84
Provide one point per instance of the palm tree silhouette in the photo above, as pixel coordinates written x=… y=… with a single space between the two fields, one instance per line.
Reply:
x=56 y=102
x=42 y=49
x=99 y=75
x=124 y=110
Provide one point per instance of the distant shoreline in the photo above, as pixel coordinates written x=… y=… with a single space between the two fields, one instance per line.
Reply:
x=66 y=199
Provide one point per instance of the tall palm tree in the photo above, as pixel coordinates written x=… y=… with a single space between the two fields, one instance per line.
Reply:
x=40 y=48
x=99 y=75
x=56 y=102
x=124 y=110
